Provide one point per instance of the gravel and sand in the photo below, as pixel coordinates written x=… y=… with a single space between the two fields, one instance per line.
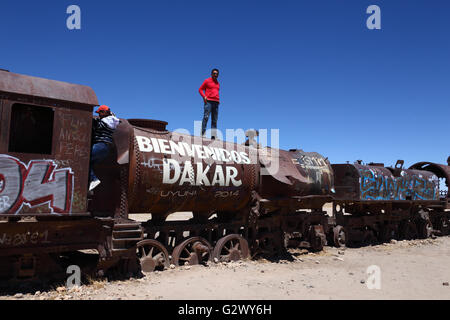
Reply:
x=418 y=269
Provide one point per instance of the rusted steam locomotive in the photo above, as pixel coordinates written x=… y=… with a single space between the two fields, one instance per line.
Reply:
x=244 y=199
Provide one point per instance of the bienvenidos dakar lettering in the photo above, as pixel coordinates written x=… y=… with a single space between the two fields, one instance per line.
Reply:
x=195 y=174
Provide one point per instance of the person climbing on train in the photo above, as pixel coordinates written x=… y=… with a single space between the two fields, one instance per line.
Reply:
x=103 y=128
x=209 y=91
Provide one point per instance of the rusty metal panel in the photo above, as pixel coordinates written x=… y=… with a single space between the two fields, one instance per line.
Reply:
x=1 y=117
x=318 y=171
x=4 y=127
x=54 y=183
x=39 y=87
x=347 y=181
x=299 y=174
x=123 y=138
x=72 y=141
x=52 y=236
x=157 y=125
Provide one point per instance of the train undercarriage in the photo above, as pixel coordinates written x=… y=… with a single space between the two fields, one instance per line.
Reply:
x=125 y=247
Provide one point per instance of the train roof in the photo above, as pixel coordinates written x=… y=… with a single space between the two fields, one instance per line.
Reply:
x=44 y=88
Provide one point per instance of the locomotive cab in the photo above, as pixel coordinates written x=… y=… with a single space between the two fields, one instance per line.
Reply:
x=44 y=145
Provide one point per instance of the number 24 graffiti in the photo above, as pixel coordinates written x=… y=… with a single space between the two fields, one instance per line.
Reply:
x=33 y=185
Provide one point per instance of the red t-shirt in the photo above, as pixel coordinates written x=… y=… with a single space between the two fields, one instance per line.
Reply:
x=211 y=88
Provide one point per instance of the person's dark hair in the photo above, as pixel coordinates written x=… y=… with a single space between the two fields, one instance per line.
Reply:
x=215 y=70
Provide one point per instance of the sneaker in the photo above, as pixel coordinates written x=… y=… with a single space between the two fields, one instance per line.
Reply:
x=94 y=184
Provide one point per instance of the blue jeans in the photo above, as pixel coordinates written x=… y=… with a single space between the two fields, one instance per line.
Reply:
x=99 y=153
x=211 y=108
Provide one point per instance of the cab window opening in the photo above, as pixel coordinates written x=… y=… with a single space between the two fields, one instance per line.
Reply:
x=31 y=129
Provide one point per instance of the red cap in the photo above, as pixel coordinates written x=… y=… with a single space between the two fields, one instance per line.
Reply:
x=102 y=108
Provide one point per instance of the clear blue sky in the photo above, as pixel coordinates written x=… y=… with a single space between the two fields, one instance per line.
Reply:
x=309 y=68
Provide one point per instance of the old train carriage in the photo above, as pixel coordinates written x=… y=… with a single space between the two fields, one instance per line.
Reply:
x=374 y=201
x=45 y=141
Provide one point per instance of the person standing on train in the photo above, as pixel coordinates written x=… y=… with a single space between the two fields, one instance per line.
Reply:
x=102 y=140
x=210 y=94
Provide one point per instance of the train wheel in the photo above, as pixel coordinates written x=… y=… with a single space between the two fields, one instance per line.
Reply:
x=193 y=251
x=339 y=236
x=231 y=248
x=425 y=228
x=317 y=238
x=152 y=255
x=443 y=225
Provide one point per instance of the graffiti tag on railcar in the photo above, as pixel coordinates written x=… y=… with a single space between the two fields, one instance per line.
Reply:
x=378 y=187
x=21 y=239
x=33 y=185
x=311 y=162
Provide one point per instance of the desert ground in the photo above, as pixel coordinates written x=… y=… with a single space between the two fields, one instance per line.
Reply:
x=417 y=269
